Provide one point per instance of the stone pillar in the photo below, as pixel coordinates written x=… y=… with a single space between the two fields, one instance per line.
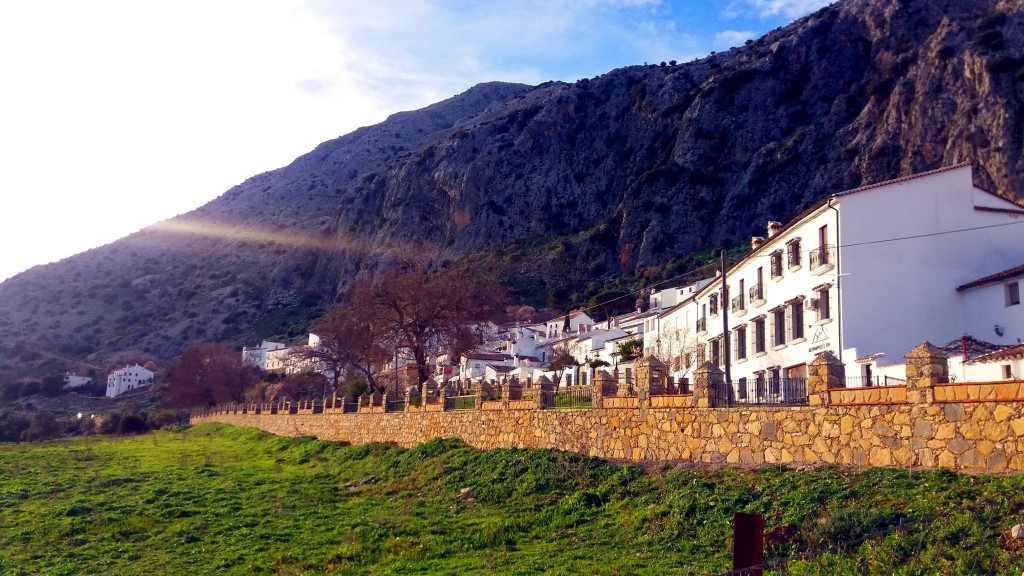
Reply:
x=481 y=391
x=505 y=388
x=430 y=391
x=545 y=392
x=926 y=366
x=824 y=372
x=604 y=383
x=411 y=393
x=708 y=380
x=412 y=375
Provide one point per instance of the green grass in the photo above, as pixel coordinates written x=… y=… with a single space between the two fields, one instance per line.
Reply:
x=223 y=500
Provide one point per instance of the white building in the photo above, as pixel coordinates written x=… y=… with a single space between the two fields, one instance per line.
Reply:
x=72 y=381
x=867 y=274
x=126 y=379
x=992 y=307
x=257 y=356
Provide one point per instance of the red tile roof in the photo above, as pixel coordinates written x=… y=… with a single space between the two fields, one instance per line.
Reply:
x=992 y=278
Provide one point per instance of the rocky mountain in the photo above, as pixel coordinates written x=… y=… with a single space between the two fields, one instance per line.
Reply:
x=560 y=183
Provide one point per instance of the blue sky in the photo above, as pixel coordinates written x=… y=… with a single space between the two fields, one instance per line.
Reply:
x=116 y=114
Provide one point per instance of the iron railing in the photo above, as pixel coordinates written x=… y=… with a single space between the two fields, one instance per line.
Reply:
x=822 y=256
x=776 y=266
x=738 y=303
x=876 y=380
x=793 y=256
x=762 y=392
x=573 y=397
x=465 y=402
x=702 y=324
x=756 y=292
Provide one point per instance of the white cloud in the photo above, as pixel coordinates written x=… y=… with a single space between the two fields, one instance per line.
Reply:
x=730 y=38
x=774 y=8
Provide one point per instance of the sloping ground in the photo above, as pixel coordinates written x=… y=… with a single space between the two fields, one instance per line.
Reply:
x=73 y=403
x=222 y=500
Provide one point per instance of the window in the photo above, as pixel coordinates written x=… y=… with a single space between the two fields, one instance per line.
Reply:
x=824 y=307
x=759 y=335
x=1012 y=294
x=793 y=253
x=716 y=352
x=796 y=320
x=740 y=342
x=713 y=304
x=1007 y=372
x=778 y=327
x=701 y=354
x=776 y=259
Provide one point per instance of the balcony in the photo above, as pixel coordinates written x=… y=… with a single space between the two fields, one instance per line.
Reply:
x=702 y=325
x=738 y=306
x=756 y=295
x=822 y=259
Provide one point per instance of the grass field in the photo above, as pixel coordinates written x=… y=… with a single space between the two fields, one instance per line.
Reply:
x=222 y=500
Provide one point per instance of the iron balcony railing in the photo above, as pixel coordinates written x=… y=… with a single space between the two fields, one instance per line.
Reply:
x=738 y=303
x=702 y=324
x=756 y=292
x=793 y=258
x=822 y=256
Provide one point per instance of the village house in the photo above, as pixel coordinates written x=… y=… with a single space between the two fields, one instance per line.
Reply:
x=257 y=355
x=72 y=381
x=127 y=379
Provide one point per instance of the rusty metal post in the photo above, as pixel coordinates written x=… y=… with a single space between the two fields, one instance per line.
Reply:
x=748 y=543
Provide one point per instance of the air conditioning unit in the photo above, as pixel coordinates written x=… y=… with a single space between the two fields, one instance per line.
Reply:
x=811 y=303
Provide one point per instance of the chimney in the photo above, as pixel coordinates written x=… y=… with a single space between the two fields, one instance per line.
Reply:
x=773 y=228
x=756 y=242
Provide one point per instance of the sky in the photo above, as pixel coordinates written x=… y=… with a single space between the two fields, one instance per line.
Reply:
x=115 y=115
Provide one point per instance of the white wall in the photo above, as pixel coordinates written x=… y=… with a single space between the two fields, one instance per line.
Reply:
x=985 y=308
x=895 y=294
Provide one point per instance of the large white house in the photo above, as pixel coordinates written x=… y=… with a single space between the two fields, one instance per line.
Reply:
x=126 y=379
x=258 y=355
x=866 y=274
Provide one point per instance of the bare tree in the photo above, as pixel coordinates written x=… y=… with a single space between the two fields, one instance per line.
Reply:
x=422 y=312
x=561 y=359
x=677 y=347
x=208 y=374
x=350 y=340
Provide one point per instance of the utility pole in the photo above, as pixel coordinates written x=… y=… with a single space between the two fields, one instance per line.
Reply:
x=725 y=323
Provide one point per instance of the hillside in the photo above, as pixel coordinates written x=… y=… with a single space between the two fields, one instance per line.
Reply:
x=222 y=500
x=558 y=184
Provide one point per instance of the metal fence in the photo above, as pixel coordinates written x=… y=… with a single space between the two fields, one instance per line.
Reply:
x=464 y=402
x=762 y=392
x=395 y=406
x=877 y=380
x=572 y=397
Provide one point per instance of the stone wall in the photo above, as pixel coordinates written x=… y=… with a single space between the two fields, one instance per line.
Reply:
x=923 y=425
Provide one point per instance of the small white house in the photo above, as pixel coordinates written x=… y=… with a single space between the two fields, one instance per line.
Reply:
x=127 y=379
x=72 y=381
x=992 y=306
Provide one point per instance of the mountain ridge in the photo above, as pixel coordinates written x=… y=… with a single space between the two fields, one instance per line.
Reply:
x=569 y=182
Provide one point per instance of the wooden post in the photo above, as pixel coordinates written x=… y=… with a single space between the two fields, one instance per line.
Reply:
x=748 y=543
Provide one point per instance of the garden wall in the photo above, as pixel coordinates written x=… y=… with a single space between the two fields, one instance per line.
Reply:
x=927 y=423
